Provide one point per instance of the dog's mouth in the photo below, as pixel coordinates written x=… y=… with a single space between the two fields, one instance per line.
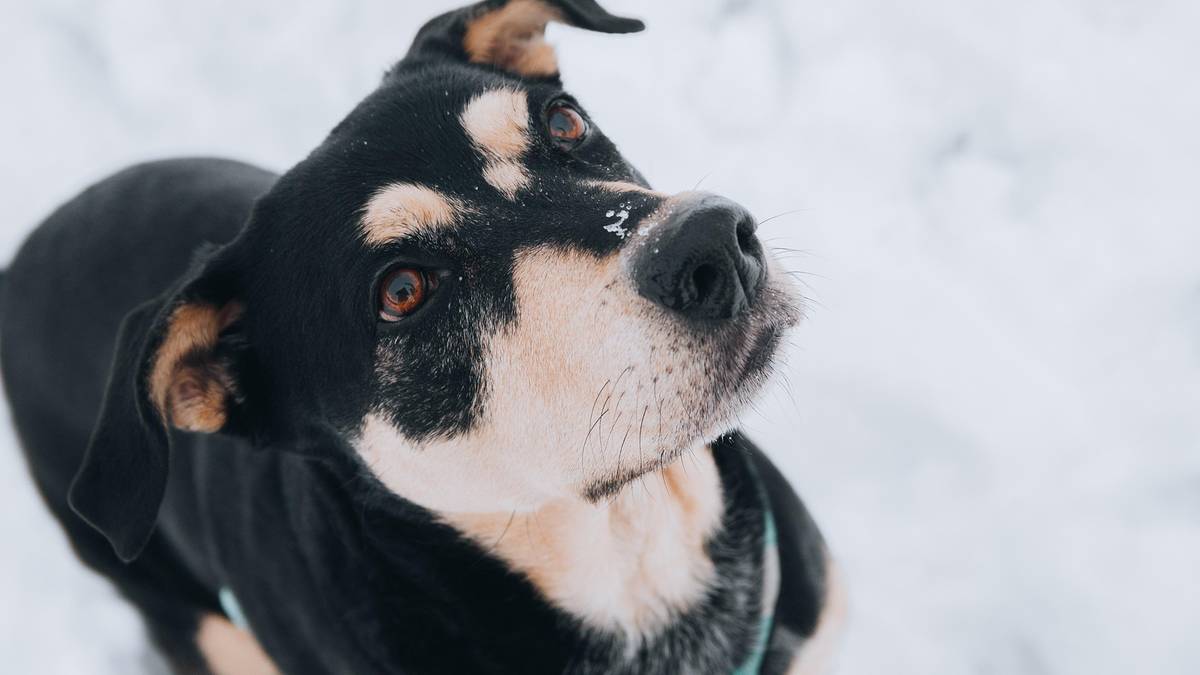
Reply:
x=754 y=347
x=761 y=354
x=740 y=360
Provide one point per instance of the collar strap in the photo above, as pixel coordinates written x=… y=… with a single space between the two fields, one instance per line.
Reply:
x=232 y=609
x=771 y=577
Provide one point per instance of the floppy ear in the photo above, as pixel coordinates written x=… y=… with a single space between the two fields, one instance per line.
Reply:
x=176 y=365
x=510 y=34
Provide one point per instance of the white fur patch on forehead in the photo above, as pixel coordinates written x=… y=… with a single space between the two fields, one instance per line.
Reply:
x=497 y=122
x=402 y=209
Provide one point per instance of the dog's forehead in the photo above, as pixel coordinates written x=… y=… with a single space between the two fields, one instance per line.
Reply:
x=466 y=150
x=412 y=127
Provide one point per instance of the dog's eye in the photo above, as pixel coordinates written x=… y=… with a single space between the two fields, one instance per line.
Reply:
x=403 y=291
x=567 y=126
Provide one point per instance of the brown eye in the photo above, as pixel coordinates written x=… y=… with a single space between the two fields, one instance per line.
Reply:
x=403 y=291
x=566 y=125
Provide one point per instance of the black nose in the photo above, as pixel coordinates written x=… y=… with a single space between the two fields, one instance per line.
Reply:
x=703 y=260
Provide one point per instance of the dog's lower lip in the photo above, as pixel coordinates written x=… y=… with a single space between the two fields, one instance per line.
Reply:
x=762 y=350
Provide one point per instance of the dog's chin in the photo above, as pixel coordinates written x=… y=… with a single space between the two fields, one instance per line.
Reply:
x=743 y=356
x=758 y=361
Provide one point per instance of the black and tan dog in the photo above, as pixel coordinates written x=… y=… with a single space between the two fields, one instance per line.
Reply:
x=452 y=395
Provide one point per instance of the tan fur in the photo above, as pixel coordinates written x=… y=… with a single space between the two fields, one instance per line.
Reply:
x=190 y=396
x=497 y=123
x=507 y=177
x=816 y=656
x=403 y=209
x=229 y=650
x=513 y=38
x=622 y=187
x=197 y=401
x=626 y=563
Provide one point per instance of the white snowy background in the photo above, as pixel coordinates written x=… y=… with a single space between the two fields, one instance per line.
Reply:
x=993 y=408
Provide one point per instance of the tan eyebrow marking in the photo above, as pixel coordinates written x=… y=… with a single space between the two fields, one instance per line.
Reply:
x=621 y=186
x=498 y=124
x=401 y=209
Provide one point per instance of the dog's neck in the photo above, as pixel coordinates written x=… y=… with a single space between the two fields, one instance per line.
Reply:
x=626 y=563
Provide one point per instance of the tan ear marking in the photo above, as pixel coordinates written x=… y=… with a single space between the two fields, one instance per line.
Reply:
x=187 y=387
x=197 y=400
x=513 y=38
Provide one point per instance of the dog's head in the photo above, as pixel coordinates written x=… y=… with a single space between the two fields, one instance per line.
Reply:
x=468 y=284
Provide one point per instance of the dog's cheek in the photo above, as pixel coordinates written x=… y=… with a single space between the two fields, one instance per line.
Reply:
x=589 y=378
x=425 y=389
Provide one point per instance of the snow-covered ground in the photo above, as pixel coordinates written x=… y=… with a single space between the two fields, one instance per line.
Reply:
x=994 y=406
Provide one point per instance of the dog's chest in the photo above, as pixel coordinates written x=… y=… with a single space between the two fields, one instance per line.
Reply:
x=628 y=564
x=665 y=577
x=389 y=591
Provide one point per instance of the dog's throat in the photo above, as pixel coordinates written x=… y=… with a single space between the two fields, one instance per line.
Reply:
x=627 y=563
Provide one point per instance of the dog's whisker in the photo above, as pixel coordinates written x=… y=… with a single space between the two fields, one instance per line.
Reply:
x=796 y=252
x=595 y=421
x=512 y=516
x=764 y=221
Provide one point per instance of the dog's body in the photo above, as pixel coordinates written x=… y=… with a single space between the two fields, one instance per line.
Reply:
x=377 y=508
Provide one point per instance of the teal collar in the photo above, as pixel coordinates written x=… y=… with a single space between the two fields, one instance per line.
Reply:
x=770 y=577
x=770 y=593
x=232 y=609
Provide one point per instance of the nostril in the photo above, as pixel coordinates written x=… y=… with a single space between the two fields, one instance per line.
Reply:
x=704 y=281
x=746 y=239
x=707 y=263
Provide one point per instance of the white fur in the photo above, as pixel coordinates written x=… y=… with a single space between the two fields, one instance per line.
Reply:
x=623 y=564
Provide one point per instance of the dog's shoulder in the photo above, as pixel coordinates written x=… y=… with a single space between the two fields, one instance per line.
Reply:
x=148 y=208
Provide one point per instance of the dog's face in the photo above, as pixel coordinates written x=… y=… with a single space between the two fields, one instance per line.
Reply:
x=470 y=285
x=544 y=323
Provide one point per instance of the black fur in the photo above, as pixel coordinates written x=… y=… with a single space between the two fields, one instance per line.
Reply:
x=335 y=573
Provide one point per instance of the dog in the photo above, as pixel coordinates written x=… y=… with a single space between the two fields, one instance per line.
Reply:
x=454 y=394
